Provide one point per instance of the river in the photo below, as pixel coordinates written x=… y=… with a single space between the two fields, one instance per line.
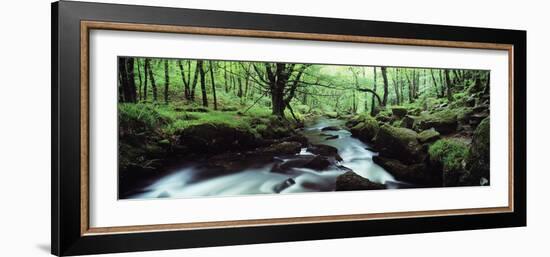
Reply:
x=185 y=182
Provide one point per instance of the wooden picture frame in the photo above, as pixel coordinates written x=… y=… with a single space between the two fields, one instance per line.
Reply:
x=71 y=25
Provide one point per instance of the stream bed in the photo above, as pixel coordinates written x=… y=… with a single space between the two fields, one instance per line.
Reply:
x=186 y=182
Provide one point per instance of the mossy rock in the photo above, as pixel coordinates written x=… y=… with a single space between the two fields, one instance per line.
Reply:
x=399 y=123
x=399 y=143
x=330 y=114
x=445 y=122
x=353 y=120
x=365 y=130
x=428 y=135
x=383 y=117
x=449 y=154
x=216 y=138
x=463 y=114
x=399 y=112
x=478 y=160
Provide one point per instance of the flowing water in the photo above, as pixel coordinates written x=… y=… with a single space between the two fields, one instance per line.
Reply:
x=186 y=182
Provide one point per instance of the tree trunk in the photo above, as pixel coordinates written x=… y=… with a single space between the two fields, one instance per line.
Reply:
x=152 y=77
x=194 y=84
x=203 y=83
x=410 y=82
x=395 y=80
x=385 y=78
x=145 y=74
x=140 y=81
x=213 y=85
x=226 y=85
x=448 y=82
x=126 y=71
x=120 y=89
x=123 y=80
x=373 y=89
x=443 y=85
x=435 y=83
x=186 y=92
x=166 y=81
x=278 y=104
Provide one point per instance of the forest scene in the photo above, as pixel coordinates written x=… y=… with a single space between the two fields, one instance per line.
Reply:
x=197 y=128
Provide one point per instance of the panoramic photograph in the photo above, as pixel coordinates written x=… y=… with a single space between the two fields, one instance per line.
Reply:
x=192 y=128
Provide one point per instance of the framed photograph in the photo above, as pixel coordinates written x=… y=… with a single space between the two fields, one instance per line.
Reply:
x=178 y=128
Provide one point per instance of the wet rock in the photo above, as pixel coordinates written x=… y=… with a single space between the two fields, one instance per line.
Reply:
x=286 y=165
x=331 y=128
x=232 y=162
x=284 y=185
x=331 y=137
x=164 y=194
x=325 y=150
x=290 y=147
x=314 y=162
x=350 y=181
x=429 y=135
x=318 y=163
x=417 y=173
x=399 y=143
x=399 y=112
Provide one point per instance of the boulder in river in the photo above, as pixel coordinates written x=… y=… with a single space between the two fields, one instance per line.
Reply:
x=325 y=150
x=350 y=181
x=331 y=128
x=399 y=143
x=289 y=147
x=417 y=173
x=318 y=163
x=365 y=130
x=284 y=185
x=314 y=162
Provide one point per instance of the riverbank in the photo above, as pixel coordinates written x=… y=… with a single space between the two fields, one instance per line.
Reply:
x=296 y=159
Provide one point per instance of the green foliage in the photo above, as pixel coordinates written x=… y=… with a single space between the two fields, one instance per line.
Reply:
x=140 y=117
x=449 y=152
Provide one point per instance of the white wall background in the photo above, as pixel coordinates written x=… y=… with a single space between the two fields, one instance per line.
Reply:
x=25 y=127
